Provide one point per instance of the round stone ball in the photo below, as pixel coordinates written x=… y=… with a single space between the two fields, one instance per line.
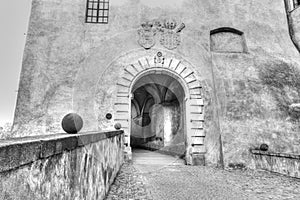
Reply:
x=264 y=147
x=118 y=126
x=72 y=123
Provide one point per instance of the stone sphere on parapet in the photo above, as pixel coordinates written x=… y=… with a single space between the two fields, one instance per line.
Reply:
x=264 y=147
x=72 y=123
x=118 y=126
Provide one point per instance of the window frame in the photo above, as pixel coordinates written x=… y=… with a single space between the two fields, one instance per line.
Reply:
x=97 y=11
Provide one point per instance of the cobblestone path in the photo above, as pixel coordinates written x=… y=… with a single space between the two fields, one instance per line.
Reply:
x=144 y=179
x=128 y=185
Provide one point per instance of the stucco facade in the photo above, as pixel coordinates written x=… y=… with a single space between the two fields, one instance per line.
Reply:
x=234 y=60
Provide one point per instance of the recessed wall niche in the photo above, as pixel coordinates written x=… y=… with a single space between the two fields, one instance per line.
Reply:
x=227 y=40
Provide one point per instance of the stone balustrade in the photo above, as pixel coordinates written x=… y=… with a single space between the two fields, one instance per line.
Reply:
x=60 y=166
x=283 y=163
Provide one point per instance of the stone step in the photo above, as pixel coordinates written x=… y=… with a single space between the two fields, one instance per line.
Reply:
x=190 y=79
x=137 y=67
x=124 y=123
x=195 y=90
x=124 y=82
x=128 y=76
x=122 y=88
x=197 y=132
x=196 y=117
x=122 y=100
x=144 y=62
x=187 y=72
x=174 y=64
x=198 y=149
x=121 y=107
x=180 y=68
x=197 y=140
x=122 y=115
x=195 y=124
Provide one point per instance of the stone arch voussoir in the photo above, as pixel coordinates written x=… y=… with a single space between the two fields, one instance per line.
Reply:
x=193 y=93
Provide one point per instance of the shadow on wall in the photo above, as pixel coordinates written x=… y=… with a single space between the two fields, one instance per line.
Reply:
x=262 y=107
x=283 y=81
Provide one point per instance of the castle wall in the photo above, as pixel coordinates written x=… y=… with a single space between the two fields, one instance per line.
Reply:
x=72 y=66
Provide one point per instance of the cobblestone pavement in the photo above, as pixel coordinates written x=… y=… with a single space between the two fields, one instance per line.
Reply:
x=128 y=185
x=177 y=181
x=194 y=182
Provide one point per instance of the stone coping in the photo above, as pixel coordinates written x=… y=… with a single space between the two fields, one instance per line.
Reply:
x=267 y=153
x=16 y=152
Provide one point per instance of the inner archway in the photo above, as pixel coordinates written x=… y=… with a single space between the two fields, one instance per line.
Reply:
x=167 y=85
x=158 y=114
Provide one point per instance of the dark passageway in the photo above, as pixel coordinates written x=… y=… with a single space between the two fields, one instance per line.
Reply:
x=157 y=114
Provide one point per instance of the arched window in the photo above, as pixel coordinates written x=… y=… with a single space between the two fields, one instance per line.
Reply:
x=226 y=39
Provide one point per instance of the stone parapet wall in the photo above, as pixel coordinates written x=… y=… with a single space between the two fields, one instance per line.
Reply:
x=60 y=166
x=283 y=163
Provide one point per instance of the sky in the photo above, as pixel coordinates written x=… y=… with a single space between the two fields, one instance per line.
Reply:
x=14 y=17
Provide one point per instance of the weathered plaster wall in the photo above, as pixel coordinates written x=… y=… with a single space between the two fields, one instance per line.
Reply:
x=72 y=66
x=255 y=93
x=293 y=14
x=63 y=166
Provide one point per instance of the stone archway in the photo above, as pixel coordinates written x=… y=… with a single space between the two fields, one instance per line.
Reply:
x=193 y=102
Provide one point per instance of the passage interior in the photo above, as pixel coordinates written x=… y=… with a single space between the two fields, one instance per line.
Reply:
x=157 y=114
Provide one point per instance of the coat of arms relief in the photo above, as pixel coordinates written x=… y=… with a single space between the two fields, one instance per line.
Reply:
x=167 y=31
x=147 y=35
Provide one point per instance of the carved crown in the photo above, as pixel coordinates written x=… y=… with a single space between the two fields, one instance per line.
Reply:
x=147 y=26
x=170 y=24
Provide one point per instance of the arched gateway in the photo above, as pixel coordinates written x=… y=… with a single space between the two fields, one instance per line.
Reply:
x=148 y=88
